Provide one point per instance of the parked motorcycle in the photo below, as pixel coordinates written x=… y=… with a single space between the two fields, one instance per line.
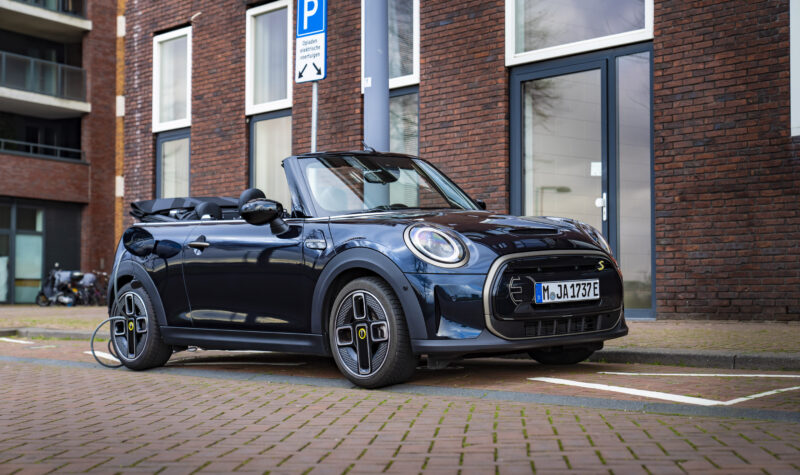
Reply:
x=61 y=287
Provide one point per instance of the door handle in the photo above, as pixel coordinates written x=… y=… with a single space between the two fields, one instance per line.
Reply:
x=199 y=244
x=603 y=203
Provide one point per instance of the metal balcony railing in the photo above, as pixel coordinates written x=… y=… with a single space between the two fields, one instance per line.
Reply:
x=45 y=77
x=39 y=150
x=70 y=7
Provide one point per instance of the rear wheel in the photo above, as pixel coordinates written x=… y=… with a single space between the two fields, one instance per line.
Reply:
x=561 y=356
x=136 y=336
x=368 y=334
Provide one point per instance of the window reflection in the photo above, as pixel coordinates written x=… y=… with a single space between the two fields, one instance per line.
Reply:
x=545 y=23
x=635 y=240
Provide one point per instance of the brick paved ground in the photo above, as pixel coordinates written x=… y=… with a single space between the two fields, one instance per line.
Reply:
x=732 y=336
x=484 y=374
x=81 y=419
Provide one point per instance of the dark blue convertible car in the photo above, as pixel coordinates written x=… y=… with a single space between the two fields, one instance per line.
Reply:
x=379 y=260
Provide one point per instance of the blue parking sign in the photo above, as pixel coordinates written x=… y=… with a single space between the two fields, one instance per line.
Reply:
x=310 y=17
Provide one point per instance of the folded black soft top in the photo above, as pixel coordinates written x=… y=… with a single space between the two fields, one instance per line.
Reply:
x=182 y=209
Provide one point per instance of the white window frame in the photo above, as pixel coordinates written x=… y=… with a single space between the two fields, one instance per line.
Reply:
x=250 y=107
x=592 y=44
x=794 y=66
x=409 y=79
x=159 y=126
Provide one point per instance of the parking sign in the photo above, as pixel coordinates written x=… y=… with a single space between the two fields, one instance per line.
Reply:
x=310 y=42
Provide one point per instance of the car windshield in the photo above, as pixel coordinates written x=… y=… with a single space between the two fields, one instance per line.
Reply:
x=363 y=183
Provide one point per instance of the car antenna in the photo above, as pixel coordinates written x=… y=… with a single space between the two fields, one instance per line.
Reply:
x=367 y=148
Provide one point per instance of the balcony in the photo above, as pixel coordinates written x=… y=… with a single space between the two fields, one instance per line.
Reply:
x=17 y=147
x=57 y=20
x=41 y=88
x=70 y=7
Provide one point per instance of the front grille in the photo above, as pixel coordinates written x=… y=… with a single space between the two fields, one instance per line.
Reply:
x=515 y=314
x=568 y=325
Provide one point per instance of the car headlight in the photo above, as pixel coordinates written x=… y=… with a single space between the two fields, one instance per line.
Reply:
x=435 y=246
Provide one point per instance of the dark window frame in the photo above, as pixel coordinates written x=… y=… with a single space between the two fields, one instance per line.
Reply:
x=606 y=61
x=169 y=136
x=12 y=232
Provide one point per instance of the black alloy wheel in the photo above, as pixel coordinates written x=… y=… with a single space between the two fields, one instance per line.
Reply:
x=368 y=334
x=136 y=336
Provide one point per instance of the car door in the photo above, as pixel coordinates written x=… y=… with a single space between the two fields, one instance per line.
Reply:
x=167 y=274
x=243 y=277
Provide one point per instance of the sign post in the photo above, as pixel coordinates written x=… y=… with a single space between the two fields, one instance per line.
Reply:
x=310 y=51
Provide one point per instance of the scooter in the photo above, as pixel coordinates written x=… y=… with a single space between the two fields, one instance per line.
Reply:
x=60 y=287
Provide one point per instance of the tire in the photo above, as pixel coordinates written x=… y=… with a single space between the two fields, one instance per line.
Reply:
x=42 y=300
x=561 y=356
x=137 y=339
x=371 y=346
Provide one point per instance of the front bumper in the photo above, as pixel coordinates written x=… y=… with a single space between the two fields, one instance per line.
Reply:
x=488 y=343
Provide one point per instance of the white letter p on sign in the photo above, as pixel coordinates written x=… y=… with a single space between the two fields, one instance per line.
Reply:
x=308 y=11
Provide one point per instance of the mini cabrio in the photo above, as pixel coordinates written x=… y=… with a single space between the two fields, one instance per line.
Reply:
x=378 y=260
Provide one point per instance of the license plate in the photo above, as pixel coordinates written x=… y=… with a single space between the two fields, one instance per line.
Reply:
x=567 y=291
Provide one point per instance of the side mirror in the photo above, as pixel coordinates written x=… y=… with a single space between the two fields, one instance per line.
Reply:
x=481 y=204
x=166 y=249
x=138 y=241
x=262 y=211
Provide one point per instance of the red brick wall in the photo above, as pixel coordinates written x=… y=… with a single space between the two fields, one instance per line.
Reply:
x=43 y=179
x=727 y=172
x=463 y=92
x=98 y=136
x=218 y=130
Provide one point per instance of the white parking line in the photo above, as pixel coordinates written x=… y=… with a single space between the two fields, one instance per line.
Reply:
x=700 y=375
x=12 y=340
x=104 y=355
x=659 y=395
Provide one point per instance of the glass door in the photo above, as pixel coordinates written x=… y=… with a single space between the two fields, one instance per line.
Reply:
x=581 y=147
x=563 y=139
x=5 y=264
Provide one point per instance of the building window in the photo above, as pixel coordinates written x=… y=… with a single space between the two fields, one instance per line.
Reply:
x=172 y=164
x=404 y=120
x=543 y=29
x=172 y=80
x=270 y=143
x=268 y=75
x=403 y=42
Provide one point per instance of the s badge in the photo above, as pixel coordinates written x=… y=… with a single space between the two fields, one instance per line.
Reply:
x=601 y=265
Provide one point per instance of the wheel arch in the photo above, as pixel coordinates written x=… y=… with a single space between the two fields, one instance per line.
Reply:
x=362 y=262
x=129 y=270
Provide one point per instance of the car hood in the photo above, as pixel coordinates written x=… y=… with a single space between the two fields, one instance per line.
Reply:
x=504 y=234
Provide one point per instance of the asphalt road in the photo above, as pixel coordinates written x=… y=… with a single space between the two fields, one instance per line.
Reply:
x=256 y=412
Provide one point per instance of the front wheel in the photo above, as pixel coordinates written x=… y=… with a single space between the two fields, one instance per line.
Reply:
x=42 y=300
x=135 y=335
x=368 y=334
x=561 y=356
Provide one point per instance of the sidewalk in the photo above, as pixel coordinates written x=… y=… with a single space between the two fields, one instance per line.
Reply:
x=717 y=344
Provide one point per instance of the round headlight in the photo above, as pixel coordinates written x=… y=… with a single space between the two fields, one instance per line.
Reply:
x=435 y=246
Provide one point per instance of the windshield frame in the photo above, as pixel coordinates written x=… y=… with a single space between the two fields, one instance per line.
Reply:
x=432 y=175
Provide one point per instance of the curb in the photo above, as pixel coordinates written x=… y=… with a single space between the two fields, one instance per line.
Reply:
x=47 y=333
x=700 y=358
x=653 y=356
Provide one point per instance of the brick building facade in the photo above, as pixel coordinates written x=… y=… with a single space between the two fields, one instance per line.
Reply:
x=57 y=140
x=670 y=130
